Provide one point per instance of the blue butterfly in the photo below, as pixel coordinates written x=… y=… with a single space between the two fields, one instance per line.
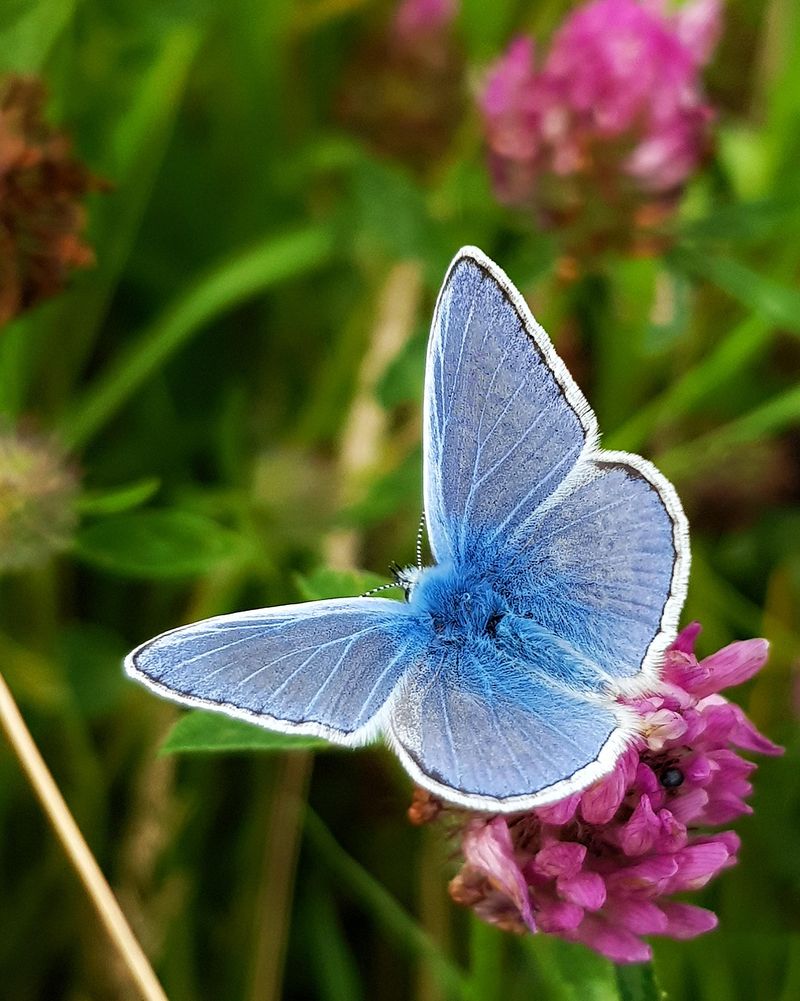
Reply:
x=560 y=572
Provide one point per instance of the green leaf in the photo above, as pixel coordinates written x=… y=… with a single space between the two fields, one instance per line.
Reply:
x=327 y=583
x=118 y=499
x=209 y=733
x=158 y=544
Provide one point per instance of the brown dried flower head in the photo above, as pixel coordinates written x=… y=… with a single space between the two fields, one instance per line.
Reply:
x=42 y=186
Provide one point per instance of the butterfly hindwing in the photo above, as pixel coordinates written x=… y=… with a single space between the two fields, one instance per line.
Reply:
x=492 y=733
x=326 y=668
x=605 y=566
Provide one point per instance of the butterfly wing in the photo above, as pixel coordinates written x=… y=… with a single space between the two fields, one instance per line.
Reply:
x=504 y=422
x=592 y=544
x=325 y=668
x=605 y=567
x=492 y=733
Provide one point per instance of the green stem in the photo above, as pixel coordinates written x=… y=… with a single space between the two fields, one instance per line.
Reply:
x=486 y=947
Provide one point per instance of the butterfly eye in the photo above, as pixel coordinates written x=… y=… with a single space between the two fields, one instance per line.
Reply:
x=492 y=624
x=671 y=778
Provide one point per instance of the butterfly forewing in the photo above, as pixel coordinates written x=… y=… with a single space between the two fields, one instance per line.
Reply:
x=326 y=668
x=503 y=427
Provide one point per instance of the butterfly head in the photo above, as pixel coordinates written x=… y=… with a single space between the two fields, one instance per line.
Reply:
x=406 y=577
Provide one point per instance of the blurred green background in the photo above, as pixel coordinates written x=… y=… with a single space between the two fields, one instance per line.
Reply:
x=237 y=384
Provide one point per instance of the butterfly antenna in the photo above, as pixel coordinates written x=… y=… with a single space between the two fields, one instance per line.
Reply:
x=379 y=588
x=420 y=533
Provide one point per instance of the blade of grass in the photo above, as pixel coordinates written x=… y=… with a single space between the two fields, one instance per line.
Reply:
x=364 y=430
x=782 y=411
x=26 y=43
x=486 y=949
x=137 y=147
x=223 y=287
x=433 y=906
x=568 y=972
x=773 y=303
x=741 y=345
x=137 y=144
x=18 y=343
x=744 y=615
x=779 y=85
x=742 y=221
x=638 y=983
x=377 y=901
x=620 y=319
x=277 y=884
x=768 y=298
x=77 y=850
x=335 y=967
x=790 y=989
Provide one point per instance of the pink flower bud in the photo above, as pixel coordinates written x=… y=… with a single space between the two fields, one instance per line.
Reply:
x=686 y=920
x=562 y=858
x=488 y=848
x=586 y=889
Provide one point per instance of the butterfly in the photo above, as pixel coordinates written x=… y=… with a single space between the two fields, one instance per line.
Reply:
x=559 y=574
